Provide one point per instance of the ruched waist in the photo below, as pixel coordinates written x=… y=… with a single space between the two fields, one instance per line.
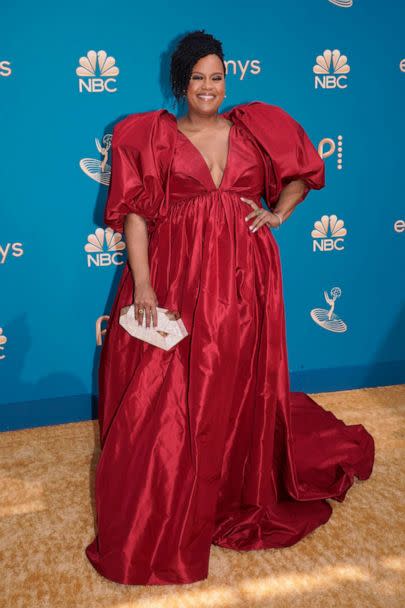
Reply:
x=232 y=192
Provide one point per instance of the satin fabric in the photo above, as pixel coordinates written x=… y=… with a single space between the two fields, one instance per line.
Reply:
x=206 y=444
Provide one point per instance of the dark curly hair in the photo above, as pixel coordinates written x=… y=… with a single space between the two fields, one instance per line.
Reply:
x=189 y=50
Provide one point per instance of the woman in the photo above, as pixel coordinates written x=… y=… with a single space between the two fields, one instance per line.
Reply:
x=205 y=444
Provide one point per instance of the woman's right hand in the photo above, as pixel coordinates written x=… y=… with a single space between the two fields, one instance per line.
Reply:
x=145 y=297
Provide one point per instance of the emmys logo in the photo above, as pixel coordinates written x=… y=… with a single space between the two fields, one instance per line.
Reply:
x=5 y=69
x=401 y=65
x=331 y=68
x=327 y=147
x=328 y=319
x=96 y=169
x=342 y=3
x=103 y=248
x=3 y=340
x=399 y=226
x=252 y=66
x=100 y=332
x=328 y=234
x=96 y=71
x=14 y=249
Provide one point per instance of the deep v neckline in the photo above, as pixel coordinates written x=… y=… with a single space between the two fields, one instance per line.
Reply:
x=203 y=159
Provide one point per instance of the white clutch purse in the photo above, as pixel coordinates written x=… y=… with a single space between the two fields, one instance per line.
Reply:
x=169 y=331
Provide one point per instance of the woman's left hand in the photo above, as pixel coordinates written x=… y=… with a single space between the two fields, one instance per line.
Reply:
x=262 y=216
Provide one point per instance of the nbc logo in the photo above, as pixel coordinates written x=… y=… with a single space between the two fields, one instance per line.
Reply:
x=96 y=73
x=328 y=234
x=96 y=169
x=331 y=68
x=342 y=3
x=328 y=319
x=328 y=146
x=3 y=340
x=104 y=248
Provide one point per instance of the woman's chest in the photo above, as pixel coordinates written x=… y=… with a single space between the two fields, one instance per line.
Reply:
x=244 y=171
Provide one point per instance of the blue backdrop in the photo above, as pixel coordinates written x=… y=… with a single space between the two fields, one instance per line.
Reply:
x=67 y=75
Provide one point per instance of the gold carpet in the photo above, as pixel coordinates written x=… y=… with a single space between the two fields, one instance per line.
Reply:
x=355 y=560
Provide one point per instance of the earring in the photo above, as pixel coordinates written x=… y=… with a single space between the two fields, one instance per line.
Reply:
x=224 y=95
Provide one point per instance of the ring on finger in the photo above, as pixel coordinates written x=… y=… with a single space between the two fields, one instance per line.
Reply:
x=259 y=212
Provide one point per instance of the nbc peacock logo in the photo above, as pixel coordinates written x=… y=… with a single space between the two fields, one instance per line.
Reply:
x=331 y=70
x=104 y=248
x=327 y=318
x=97 y=72
x=99 y=170
x=3 y=341
x=328 y=234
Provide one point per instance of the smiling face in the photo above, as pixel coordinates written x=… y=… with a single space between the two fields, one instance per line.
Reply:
x=206 y=88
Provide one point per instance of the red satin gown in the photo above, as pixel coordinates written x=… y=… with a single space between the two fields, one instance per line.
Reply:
x=205 y=444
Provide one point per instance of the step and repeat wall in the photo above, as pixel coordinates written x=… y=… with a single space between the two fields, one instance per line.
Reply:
x=69 y=73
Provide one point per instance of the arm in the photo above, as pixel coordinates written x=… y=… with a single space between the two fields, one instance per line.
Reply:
x=136 y=236
x=134 y=198
x=289 y=198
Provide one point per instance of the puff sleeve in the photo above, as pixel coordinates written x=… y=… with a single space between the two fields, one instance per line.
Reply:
x=288 y=151
x=293 y=155
x=135 y=184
